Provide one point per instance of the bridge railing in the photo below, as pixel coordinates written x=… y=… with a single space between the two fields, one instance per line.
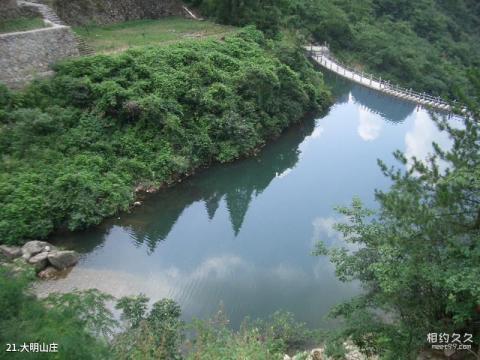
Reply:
x=370 y=78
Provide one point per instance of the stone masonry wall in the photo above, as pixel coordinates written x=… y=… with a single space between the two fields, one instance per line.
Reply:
x=86 y=12
x=28 y=54
x=8 y=9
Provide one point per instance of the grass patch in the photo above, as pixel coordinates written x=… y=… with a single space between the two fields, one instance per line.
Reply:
x=21 y=24
x=119 y=37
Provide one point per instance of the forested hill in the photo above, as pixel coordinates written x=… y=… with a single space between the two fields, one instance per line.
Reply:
x=427 y=45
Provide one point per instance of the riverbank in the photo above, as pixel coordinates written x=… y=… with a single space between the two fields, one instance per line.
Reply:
x=349 y=352
x=82 y=326
x=78 y=145
x=45 y=259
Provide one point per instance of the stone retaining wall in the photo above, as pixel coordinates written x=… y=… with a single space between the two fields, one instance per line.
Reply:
x=86 y=12
x=29 y=54
x=8 y=9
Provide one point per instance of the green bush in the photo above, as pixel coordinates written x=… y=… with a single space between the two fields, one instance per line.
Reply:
x=75 y=146
x=262 y=339
x=417 y=256
x=70 y=320
x=154 y=334
x=83 y=327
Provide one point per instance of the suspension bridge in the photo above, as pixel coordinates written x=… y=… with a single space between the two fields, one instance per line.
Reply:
x=322 y=56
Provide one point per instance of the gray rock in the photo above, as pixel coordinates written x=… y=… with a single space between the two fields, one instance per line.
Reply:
x=39 y=261
x=11 y=252
x=316 y=354
x=35 y=247
x=48 y=273
x=62 y=259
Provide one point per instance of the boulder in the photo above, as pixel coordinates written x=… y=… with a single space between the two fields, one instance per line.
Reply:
x=48 y=273
x=317 y=354
x=34 y=247
x=63 y=259
x=39 y=261
x=11 y=252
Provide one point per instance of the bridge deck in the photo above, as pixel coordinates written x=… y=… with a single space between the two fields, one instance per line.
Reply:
x=321 y=55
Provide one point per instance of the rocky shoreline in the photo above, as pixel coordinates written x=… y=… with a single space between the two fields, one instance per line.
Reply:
x=351 y=353
x=46 y=259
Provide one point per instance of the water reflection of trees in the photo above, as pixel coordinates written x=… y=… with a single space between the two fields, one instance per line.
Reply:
x=84 y=241
x=389 y=108
x=237 y=184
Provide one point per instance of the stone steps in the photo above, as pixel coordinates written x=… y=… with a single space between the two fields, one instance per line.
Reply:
x=45 y=11
x=83 y=48
x=49 y=15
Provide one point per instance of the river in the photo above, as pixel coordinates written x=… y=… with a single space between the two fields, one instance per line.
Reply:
x=241 y=234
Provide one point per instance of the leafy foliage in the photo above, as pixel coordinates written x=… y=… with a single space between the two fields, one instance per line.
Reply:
x=83 y=327
x=68 y=320
x=427 y=45
x=262 y=339
x=157 y=334
x=418 y=256
x=289 y=334
x=75 y=146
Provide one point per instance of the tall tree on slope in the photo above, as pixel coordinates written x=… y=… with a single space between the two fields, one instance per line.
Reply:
x=418 y=256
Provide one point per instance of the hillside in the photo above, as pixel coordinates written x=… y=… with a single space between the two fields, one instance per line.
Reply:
x=427 y=45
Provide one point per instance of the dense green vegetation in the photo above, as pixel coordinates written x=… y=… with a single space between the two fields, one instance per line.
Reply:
x=75 y=321
x=83 y=327
x=426 y=45
x=21 y=24
x=122 y=36
x=75 y=146
x=418 y=255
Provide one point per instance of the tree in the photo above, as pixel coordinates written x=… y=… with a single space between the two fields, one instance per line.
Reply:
x=156 y=334
x=418 y=255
